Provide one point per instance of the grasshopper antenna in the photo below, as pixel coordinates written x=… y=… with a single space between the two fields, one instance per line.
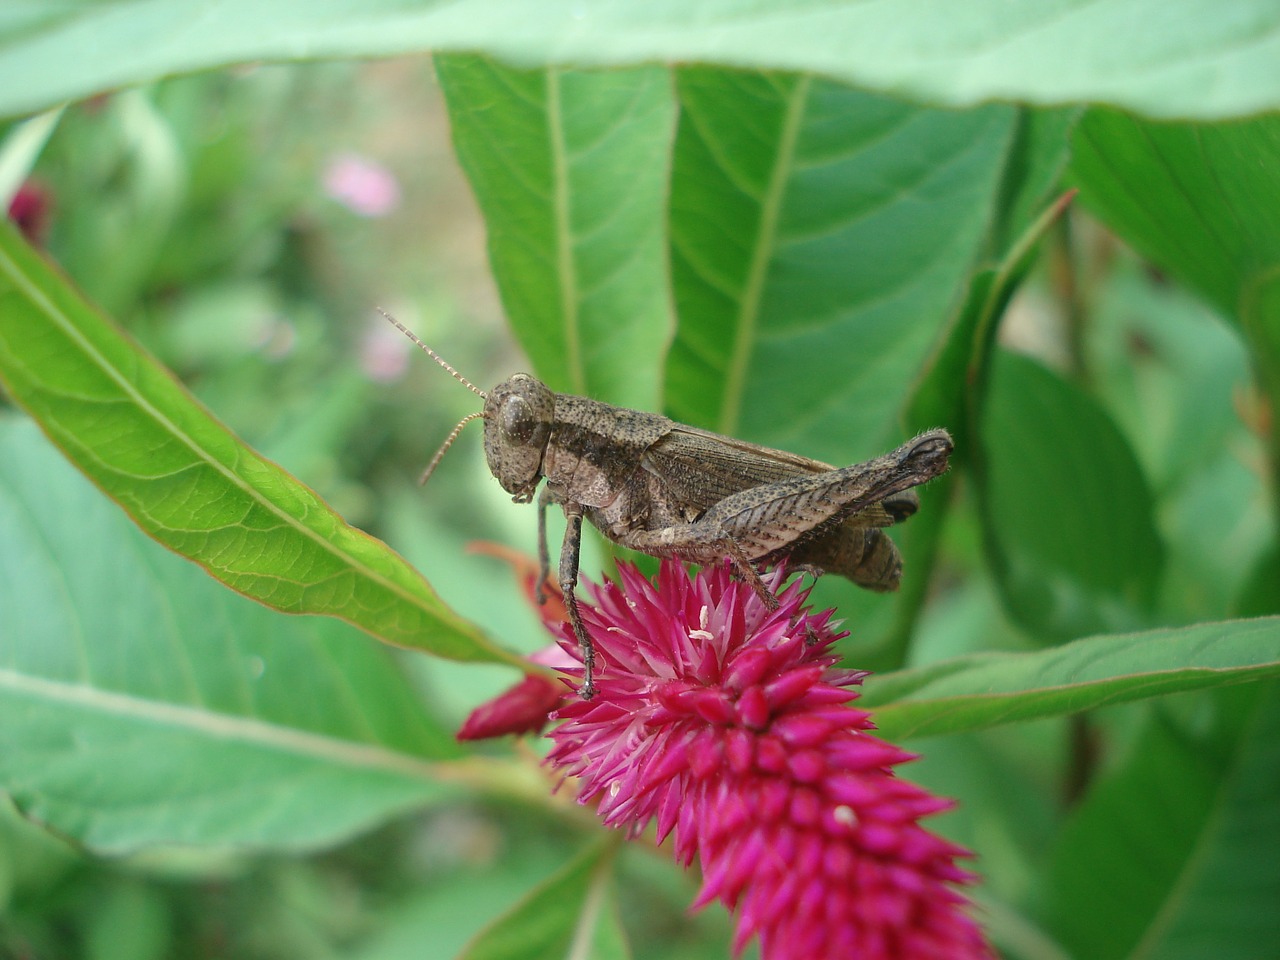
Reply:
x=440 y=360
x=448 y=442
x=453 y=435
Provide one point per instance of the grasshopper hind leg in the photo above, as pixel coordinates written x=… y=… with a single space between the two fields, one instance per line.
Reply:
x=746 y=570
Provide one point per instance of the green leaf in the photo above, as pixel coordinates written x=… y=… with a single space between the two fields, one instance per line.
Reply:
x=144 y=704
x=973 y=693
x=820 y=235
x=1192 y=58
x=1067 y=516
x=1176 y=854
x=570 y=169
x=1195 y=198
x=1199 y=200
x=569 y=915
x=190 y=484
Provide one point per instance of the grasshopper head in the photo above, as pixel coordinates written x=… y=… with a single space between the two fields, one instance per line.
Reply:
x=518 y=414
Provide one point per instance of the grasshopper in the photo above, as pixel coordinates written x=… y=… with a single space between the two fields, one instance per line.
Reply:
x=670 y=490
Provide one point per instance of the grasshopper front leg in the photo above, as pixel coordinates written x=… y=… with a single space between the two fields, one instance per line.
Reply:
x=544 y=558
x=569 y=552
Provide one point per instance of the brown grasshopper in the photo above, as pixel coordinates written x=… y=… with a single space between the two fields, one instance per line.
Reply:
x=670 y=490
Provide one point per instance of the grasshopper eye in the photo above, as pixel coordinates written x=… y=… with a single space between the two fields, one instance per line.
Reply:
x=518 y=421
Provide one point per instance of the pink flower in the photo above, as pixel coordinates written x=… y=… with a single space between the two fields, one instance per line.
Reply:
x=729 y=725
x=362 y=185
x=521 y=709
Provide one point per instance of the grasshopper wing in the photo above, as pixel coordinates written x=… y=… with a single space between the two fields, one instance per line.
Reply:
x=698 y=469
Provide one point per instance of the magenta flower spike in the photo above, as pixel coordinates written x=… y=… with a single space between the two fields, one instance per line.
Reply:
x=729 y=725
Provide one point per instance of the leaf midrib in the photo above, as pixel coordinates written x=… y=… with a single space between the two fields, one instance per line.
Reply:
x=748 y=315
x=222 y=726
x=36 y=295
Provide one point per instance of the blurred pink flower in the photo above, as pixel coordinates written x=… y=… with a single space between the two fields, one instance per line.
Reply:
x=30 y=209
x=729 y=725
x=362 y=185
x=384 y=354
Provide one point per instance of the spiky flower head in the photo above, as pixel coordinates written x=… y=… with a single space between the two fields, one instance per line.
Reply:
x=729 y=725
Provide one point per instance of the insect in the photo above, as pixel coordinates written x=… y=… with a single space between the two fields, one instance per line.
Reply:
x=669 y=490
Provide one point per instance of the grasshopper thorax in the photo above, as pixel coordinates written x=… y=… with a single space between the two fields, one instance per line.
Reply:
x=518 y=414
